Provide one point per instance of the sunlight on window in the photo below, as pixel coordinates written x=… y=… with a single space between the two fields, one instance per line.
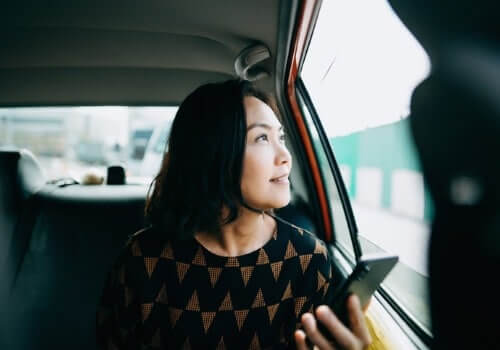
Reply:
x=363 y=65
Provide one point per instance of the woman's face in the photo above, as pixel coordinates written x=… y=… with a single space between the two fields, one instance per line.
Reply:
x=267 y=162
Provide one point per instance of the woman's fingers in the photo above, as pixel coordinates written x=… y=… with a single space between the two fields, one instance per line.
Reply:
x=300 y=340
x=357 y=319
x=312 y=332
x=358 y=337
x=342 y=335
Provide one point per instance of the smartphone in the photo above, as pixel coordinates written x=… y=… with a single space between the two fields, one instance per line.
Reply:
x=364 y=280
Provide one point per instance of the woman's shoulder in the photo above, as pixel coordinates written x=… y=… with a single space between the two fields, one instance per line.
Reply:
x=134 y=246
x=311 y=253
x=138 y=253
x=303 y=241
x=145 y=242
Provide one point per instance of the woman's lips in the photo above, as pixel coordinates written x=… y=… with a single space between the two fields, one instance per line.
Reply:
x=280 y=180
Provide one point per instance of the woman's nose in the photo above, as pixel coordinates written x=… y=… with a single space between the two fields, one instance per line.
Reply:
x=283 y=155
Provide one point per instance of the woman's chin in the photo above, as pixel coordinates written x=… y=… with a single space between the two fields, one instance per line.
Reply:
x=274 y=204
x=277 y=200
x=281 y=202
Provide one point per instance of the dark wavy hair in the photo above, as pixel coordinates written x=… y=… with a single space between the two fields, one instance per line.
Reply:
x=201 y=171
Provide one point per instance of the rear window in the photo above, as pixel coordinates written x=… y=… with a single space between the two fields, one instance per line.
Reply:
x=73 y=141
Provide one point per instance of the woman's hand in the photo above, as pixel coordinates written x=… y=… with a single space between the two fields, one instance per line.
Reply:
x=356 y=338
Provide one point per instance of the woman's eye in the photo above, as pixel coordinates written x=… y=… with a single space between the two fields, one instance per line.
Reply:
x=261 y=138
x=282 y=137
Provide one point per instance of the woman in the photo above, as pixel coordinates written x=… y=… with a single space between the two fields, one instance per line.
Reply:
x=216 y=269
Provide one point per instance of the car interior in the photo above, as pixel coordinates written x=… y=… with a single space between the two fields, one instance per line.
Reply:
x=113 y=53
x=154 y=53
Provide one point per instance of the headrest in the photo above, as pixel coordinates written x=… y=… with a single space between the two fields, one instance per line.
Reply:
x=437 y=24
x=20 y=172
x=455 y=120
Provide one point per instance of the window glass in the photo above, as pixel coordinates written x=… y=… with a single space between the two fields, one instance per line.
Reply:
x=73 y=141
x=340 y=226
x=361 y=68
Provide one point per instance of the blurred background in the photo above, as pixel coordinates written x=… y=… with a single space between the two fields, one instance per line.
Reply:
x=72 y=141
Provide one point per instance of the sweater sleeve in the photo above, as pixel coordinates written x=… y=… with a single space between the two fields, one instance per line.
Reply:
x=118 y=313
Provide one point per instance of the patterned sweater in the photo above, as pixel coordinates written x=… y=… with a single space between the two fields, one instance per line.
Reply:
x=179 y=295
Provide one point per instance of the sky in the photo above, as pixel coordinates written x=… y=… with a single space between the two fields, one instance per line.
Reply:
x=362 y=65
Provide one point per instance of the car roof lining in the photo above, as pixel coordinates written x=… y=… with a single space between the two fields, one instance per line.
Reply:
x=127 y=52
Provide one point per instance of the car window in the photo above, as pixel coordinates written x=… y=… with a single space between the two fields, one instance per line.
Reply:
x=360 y=70
x=157 y=145
x=161 y=142
x=72 y=141
x=341 y=228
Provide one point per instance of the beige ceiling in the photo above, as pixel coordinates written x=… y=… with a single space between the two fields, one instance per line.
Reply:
x=126 y=52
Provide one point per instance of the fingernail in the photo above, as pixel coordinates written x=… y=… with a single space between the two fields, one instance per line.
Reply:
x=322 y=309
x=300 y=336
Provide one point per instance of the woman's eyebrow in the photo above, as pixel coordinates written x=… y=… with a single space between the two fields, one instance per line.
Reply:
x=262 y=125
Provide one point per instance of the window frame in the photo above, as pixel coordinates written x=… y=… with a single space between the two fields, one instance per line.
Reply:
x=334 y=168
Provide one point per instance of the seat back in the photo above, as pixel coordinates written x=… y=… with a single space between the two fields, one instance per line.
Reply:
x=455 y=121
x=77 y=234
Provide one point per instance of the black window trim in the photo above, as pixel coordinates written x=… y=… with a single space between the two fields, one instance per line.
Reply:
x=346 y=204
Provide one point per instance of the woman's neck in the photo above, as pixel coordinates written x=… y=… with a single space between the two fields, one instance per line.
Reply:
x=247 y=233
